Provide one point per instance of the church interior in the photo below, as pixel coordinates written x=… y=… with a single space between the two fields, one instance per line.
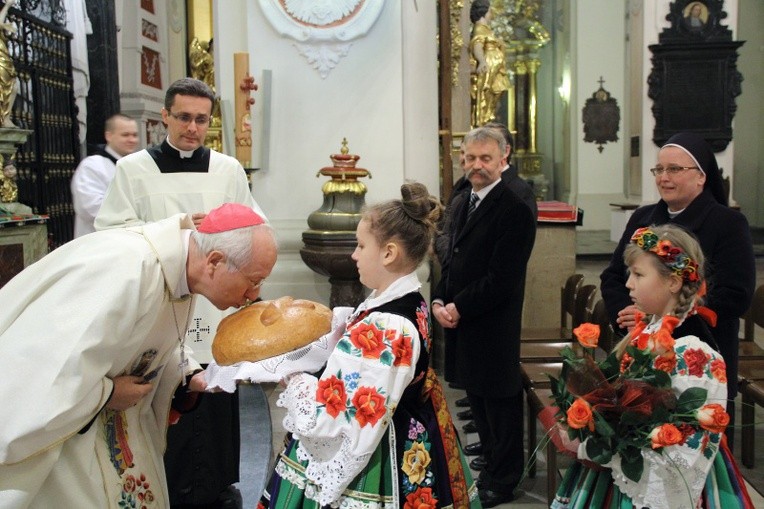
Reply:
x=331 y=105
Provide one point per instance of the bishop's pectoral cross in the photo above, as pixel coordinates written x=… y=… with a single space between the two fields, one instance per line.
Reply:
x=197 y=330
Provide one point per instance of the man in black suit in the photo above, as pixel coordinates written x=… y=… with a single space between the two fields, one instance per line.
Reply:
x=479 y=303
x=510 y=178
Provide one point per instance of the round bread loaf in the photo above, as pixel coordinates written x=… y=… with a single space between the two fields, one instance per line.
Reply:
x=269 y=328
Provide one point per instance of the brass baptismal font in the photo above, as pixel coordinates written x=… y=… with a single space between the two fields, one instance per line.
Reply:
x=330 y=241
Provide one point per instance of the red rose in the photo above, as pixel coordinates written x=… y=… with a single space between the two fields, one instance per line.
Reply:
x=580 y=415
x=422 y=498
x=666 y=362
x=719 y=370
x=367 y=338
x=587 y=334
x=331 y=392
x=661 y=342
x=129 y=485
x=369 y=404
x=713 y=417
x=696 y=360
x=665 y=435
x=402 y=350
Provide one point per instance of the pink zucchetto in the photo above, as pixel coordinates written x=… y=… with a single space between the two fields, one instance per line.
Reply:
x=229 y=216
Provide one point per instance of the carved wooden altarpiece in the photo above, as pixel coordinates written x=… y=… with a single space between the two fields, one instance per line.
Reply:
x=694 y=80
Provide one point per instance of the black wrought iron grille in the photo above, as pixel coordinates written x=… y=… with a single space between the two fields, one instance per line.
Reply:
x=45 y=105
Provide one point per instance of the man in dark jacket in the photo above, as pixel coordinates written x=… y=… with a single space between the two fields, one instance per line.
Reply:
x=693 y=196
x=479 y=302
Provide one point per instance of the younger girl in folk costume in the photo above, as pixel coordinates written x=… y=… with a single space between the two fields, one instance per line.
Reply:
x=694 y=468
x=373 y=430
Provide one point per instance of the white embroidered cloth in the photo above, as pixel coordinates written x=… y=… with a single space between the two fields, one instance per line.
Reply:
x=307 y=359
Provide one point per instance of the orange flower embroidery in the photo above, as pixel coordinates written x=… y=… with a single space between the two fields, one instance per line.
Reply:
x=369 y=404
x=331 y=392
x=580 y=415
x=696 y=360
x=587 y=334
x=402 y=350
x=719 y=370
x=665 y=435
x=422 y=498
x=713 y=417
x=422 y=324
x=367 y=338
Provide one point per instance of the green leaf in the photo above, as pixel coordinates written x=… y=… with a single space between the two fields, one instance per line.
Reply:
x=662 y=379
x=598 y=449
x=661 y=414
x=691 y=399
x=632 y=464
x=386 y=358
x=611 y=366
x=344 y=346
x=568 y=354
x=603 y=428
x=694 y=440
x=634 y=419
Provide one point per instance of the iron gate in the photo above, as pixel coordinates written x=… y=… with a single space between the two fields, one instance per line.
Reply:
x=45 y=105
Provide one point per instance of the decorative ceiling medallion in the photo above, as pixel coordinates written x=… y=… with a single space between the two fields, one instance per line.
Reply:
x=322 y=29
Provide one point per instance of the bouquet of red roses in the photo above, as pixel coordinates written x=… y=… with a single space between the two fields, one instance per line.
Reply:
x=625 y=403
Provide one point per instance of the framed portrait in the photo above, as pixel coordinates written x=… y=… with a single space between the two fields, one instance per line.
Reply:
x=695 y=16
x=694 y=79
x=696 y=21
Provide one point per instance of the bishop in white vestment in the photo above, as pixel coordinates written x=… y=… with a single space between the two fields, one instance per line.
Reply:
x=101 y=308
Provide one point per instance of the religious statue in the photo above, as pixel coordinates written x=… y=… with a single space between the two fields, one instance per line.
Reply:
x=9 y=191
x=8 y=84
x=203 y=69
x=489 y=79
x=527 y=26
x=202 y=63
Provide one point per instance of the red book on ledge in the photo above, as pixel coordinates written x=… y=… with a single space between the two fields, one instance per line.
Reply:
x=557 y=212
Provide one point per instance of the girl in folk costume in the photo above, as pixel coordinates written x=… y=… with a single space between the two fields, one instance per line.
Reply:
x=373 y=430
x=686 y=461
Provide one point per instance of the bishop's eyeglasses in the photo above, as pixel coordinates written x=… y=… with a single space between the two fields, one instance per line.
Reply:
x=671 y=170
x=186 y=118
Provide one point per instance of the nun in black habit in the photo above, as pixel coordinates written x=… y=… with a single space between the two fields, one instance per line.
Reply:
x=693 y=196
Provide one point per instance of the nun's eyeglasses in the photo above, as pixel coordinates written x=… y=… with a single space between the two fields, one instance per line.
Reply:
x=671 y=170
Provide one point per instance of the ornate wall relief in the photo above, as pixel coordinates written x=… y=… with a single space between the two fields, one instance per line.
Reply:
x=601 y=117
x=322 y=29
